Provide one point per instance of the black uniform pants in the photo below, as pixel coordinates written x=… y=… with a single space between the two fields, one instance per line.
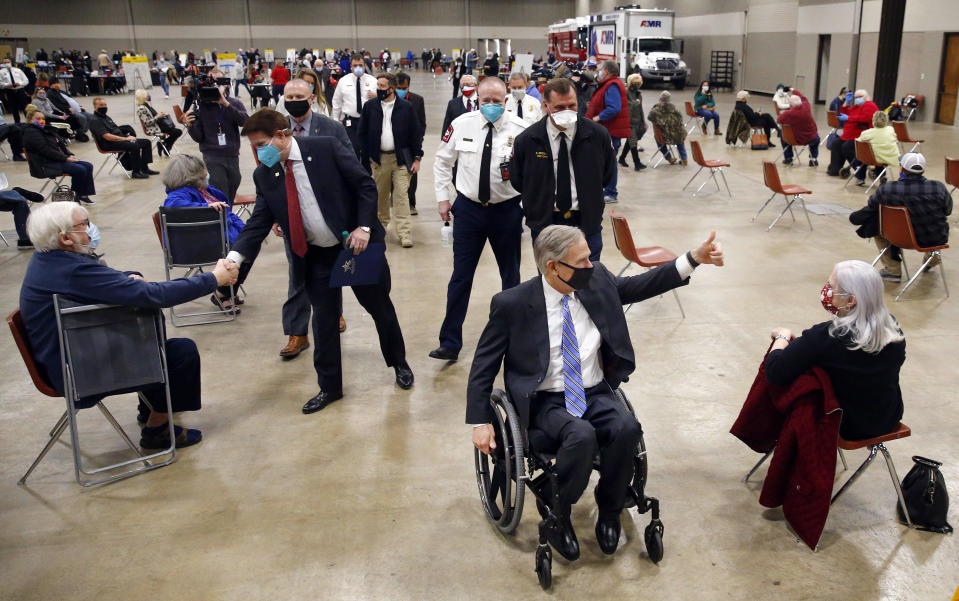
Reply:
x=137 y=155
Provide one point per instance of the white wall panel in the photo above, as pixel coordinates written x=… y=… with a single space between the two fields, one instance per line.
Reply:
x=826 y=18
x=719 y=24
x=772 y=18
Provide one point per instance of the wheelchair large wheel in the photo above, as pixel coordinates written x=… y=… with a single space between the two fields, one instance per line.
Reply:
x=640 y=467
x=500 y=475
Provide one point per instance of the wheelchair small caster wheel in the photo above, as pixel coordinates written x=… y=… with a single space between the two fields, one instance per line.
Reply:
x=654 y=540
x=544 y=567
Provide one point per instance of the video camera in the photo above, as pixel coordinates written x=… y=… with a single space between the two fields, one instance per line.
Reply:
x=207 y=87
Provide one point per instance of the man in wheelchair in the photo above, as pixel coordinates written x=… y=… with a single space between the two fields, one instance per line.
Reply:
x=563 y=339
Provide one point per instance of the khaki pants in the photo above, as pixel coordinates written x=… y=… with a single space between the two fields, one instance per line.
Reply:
x=388 y=176
x=893 y=266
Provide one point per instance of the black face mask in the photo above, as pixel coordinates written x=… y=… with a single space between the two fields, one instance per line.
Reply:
x=297 y=108
x=580 y=278
x=102 y=111
x=383 y=94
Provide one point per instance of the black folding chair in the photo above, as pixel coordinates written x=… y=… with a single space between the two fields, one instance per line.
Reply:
x=194 y=238
x=108 y=350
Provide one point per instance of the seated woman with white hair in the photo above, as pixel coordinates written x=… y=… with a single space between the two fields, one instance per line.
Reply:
x=862 y=349
x=188 y=185
x=155 y=123
x=757 y=118
x=63 y=264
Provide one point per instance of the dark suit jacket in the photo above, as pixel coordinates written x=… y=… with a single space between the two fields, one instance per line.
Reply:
x=517 y=335
x=45 y=150
x=454 y=108
x=419 y=107
x=84 y=279
x=407 y=133
x=344 y=191
x=531 y=173
x=321 y=125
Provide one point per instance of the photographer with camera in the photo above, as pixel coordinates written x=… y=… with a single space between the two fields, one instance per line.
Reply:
x=214 y=122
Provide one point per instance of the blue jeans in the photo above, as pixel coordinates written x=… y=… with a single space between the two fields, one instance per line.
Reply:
x=708 y=116
x=681 y=148
x=813 y=150
x=164 y=84
x=610 y=189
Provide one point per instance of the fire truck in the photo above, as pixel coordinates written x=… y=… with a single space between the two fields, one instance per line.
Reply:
x=641 y=41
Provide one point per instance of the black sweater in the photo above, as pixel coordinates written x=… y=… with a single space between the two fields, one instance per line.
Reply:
x=866 y=385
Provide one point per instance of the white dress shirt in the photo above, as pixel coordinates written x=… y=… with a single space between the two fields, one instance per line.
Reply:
x=532 y=108
x=553 y=133
x=470 y=103
x=386 y=136
x=344 y=98
x=464 y=147
x=12 y=78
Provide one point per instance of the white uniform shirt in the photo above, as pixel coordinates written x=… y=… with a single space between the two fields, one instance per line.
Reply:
x=12 y=78
x=386 y=136
x=553 y=133
x=532 y=108
x=344 y=98
x=462 y=144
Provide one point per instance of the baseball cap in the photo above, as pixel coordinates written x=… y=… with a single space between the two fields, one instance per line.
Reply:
x=913 y=162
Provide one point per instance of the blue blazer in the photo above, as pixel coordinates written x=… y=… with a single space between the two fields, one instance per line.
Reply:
x=188 y=196
x=82 y=278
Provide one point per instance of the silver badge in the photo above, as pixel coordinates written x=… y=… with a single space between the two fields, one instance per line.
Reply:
x=350 y=266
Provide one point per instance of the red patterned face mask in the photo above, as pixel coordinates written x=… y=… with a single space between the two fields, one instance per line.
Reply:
x=825 y=297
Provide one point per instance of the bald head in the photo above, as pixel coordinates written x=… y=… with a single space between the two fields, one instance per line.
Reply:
x=299 y=88
x=489 y=83
x=491 y=90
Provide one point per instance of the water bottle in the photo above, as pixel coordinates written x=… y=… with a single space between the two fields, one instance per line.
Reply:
x=446 y=234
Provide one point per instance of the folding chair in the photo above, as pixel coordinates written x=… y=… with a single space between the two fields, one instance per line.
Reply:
x=158 y=139
x=193 y=238
x=695 y=119
x=712 y=165
x=56 y=181
x=177 y=111
x=3 y=186
x=789 y=139
x=243 y=204
x=902 y=136
x=113 y=155
x=105 y=350
x=660 y=141
x=772 y=181
x=920 y=100
x=865 y=156
x=646 y=256
x=833 y=119
x=952 y=173
x=896 y=227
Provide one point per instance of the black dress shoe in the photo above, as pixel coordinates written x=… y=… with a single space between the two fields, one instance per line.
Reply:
x=404 y=376
x=139 y=175
x=562 y=537
x=607 y=529
x=320 y=401
x=151 y=172
x=444 y=353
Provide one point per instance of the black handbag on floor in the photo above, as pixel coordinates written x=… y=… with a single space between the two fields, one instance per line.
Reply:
x=927 y=500
x=63 y=194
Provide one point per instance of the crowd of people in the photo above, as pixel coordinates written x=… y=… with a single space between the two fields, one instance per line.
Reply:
x=339 y=145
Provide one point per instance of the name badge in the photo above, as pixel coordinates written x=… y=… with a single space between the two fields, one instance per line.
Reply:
x=504 y=171
x=221 y=139
x=349 y=123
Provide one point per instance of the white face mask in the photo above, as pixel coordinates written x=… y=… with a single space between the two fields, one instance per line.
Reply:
x=518 y=94
x=564 y=119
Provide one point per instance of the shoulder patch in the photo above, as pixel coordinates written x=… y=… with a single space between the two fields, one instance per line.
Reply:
x=448 y=134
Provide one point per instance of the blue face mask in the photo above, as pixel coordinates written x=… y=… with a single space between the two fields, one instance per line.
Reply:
x=269 y=155
x=492 y=112
x=859 y=101
x=94 y=232
x=402 y=93
x=358 y=71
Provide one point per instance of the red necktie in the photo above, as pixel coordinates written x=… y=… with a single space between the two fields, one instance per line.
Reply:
x=297 y=235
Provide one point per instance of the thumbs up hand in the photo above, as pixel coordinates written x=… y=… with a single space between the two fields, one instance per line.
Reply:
x=709 y=252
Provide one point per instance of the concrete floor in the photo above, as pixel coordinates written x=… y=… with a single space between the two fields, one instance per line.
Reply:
x=375 y=497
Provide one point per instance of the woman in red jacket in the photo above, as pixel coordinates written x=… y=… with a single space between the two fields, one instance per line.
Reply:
x=855 y=117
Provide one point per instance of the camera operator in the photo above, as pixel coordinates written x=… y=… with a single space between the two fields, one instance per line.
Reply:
x=214 y=122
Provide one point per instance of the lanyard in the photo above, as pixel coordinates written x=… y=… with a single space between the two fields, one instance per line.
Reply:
x=219 y=120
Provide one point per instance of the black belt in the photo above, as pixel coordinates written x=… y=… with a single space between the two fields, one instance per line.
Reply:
x=486 y=204
x=387 y=152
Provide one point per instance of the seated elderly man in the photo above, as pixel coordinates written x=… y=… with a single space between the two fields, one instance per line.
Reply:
x=929 y=205
x=138 y=153
x=799 y=117
x=565 y=347
x=64 y=265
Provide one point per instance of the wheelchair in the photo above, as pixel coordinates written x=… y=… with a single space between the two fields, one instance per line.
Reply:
x=503 y=476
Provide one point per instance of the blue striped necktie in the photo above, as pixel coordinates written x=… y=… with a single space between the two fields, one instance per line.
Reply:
x=572 y=372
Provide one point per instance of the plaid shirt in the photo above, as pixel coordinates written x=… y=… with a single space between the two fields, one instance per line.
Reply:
x=928 y=202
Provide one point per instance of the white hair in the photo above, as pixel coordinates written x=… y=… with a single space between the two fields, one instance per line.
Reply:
x=48 y=221
x=864 y=93
x=185 y=170
x=868 y=323
x=742 y=95
x=795 y=101
x=553 y=243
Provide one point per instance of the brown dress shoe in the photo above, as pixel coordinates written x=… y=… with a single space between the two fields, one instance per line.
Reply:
x=342 y=324
x=295 y=346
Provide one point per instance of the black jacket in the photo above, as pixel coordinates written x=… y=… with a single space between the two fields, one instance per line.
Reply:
x=344 y=190
x=321 y=125
x=517 y=335
x=407 y=133
x=454 y=108
x=419 y=107
x=58 y=101
x=531 y=173
x=45 y=149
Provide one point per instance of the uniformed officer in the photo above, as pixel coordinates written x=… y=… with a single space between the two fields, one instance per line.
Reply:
x=486 y=207
x=521 y=104
x=352 y=92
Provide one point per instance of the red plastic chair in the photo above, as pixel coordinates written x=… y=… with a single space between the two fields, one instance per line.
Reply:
x=789 y=139
x=660 y=142
x=896 y=227
x=113 y=155
x=833 y=119
x=902 y=136
x=866 y=156
x=952 y=173
x=791 y=192
x=696 y=120
x=712 y=165
x=243 y=204
x=645 y=256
